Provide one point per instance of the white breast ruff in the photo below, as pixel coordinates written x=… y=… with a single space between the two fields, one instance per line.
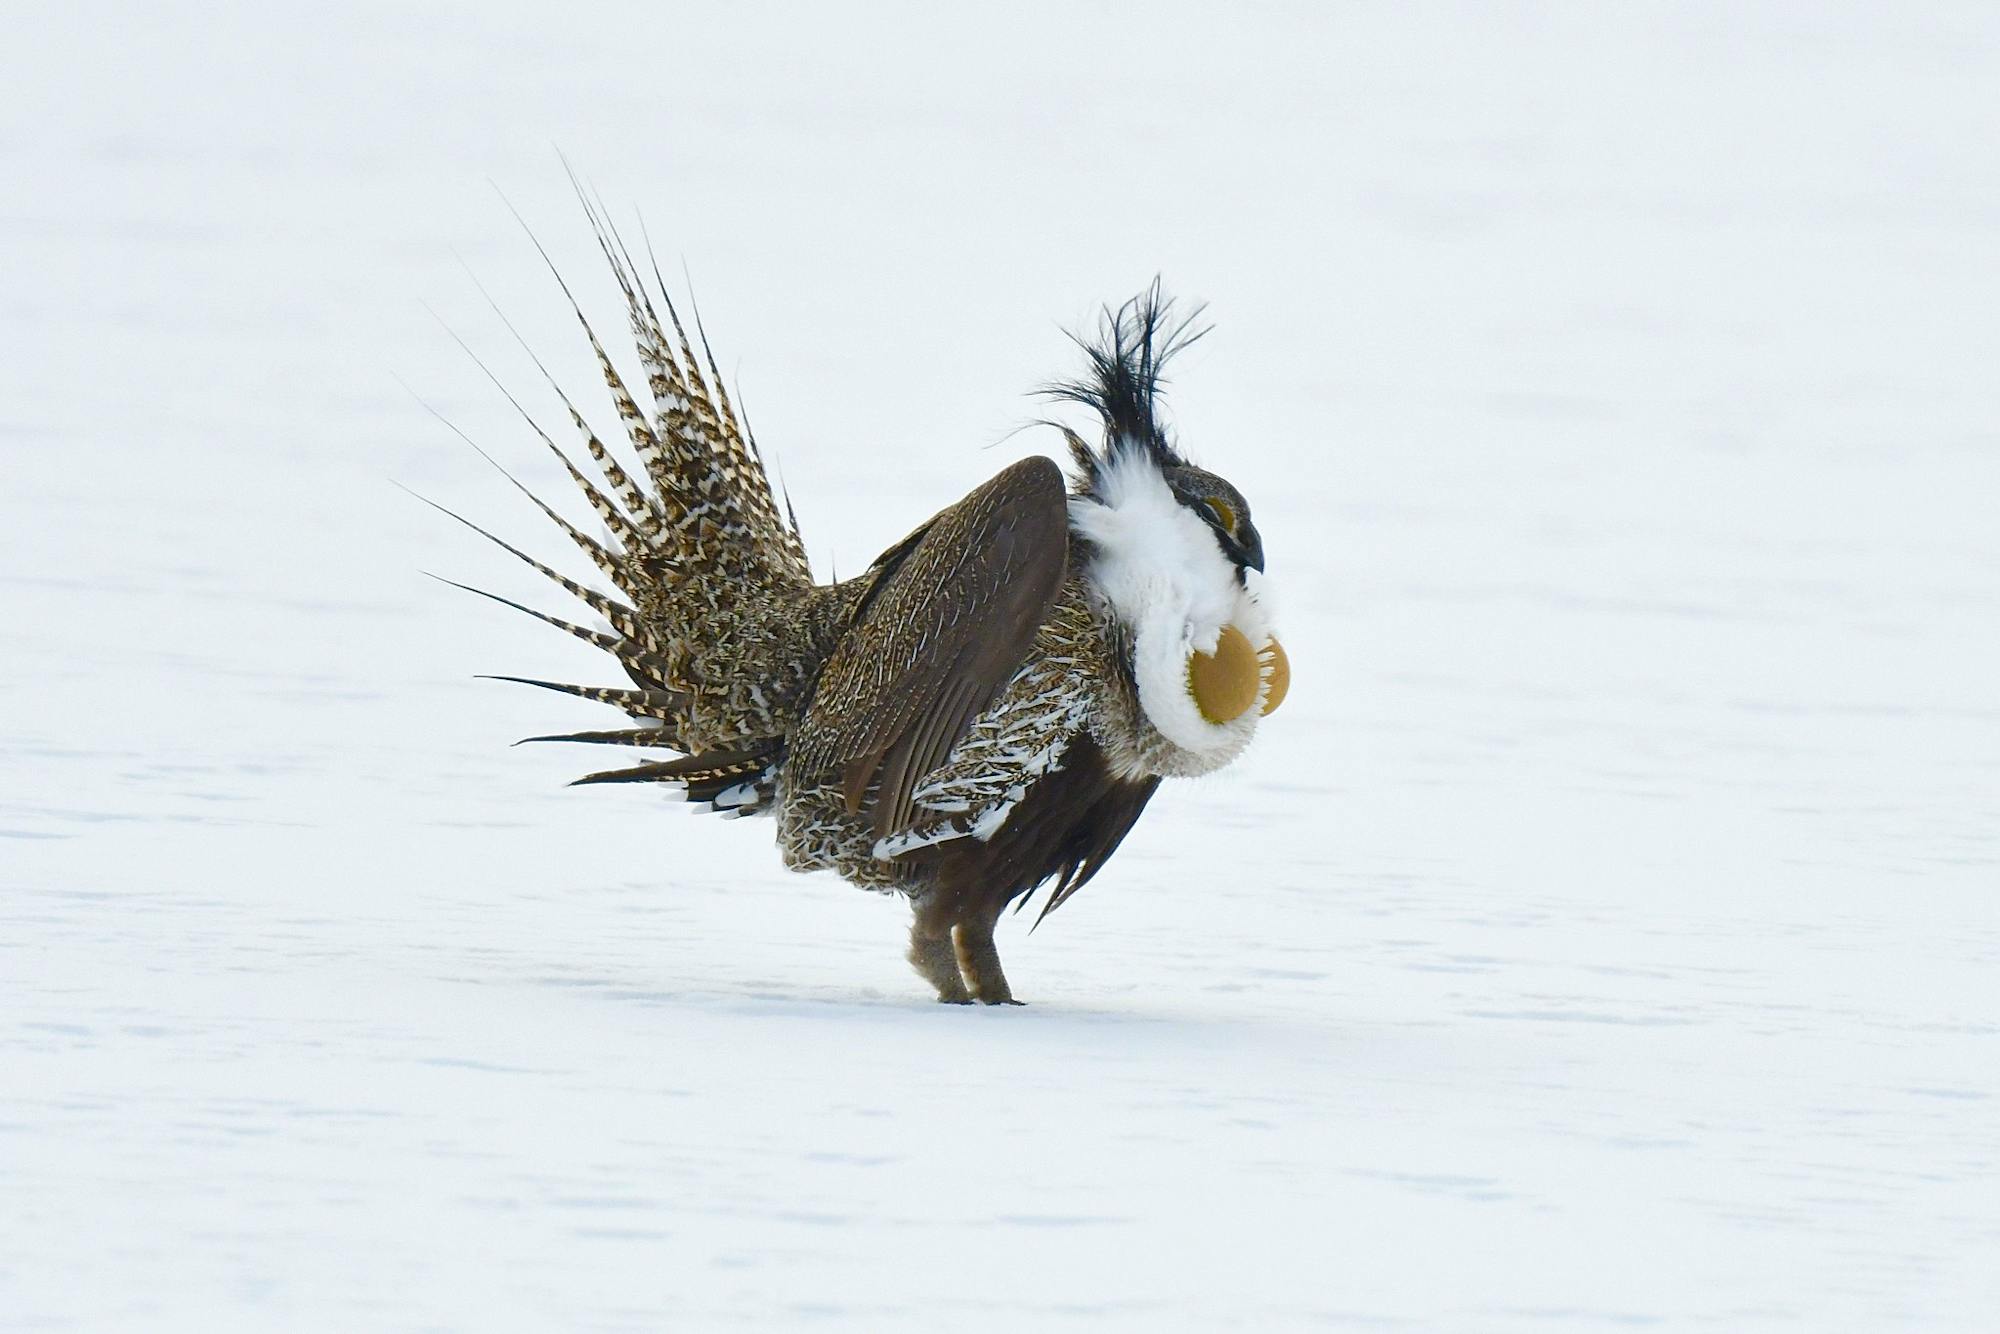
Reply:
x=1162 y=576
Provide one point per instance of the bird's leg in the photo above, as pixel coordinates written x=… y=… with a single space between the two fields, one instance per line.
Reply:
x=932 y=955
x=979 y=961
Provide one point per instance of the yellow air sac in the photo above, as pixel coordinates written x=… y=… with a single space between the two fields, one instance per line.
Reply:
x=1277 y=675
x=1224 y=684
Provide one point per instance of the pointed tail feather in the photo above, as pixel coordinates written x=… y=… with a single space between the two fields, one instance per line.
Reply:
x=666 y=705
x=622 y=618
x=622 y=736
x=717 y=628
x=736 y=782
x=698 y=452
x=639 y=663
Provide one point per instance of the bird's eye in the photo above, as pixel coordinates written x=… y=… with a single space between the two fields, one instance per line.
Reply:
x=1223 y=511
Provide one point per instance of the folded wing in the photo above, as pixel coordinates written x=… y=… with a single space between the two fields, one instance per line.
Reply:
x=948 y=620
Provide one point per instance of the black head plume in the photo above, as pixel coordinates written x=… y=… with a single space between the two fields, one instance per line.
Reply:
x=1131 y=348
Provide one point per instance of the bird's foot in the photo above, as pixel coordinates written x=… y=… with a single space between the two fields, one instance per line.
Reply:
x=979 y=964
x=937 y=962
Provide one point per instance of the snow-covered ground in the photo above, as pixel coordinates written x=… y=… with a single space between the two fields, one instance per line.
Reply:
x=1604 y=935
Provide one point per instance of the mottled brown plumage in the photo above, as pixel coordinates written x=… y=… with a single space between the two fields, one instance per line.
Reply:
x=949 y=616
x=972 y=717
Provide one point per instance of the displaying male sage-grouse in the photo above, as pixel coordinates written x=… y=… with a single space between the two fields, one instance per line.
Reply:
x=990 y=706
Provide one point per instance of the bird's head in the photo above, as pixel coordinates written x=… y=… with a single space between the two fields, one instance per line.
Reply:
x=1171 y=549
x=1222 y=507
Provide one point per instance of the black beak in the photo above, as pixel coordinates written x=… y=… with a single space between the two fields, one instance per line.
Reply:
x=1252 y=549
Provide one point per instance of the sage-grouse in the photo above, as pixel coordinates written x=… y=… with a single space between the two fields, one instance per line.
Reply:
x=990 y=706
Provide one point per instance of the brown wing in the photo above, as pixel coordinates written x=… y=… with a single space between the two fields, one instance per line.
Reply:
x=950 y=618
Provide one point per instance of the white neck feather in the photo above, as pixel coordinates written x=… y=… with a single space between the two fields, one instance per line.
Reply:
x=1162 y=576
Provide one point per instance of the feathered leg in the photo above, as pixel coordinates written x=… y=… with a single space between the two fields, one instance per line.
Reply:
x=932 y=955
x=979 y=960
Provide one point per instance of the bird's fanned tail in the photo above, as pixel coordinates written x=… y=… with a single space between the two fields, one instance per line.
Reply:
x=714 y=625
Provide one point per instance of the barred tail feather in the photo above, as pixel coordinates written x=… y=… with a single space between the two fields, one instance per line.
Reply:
x=629 y=533
x=732 y=782
x=610 y=563
x=621 y=617
x=639 y=662
x=620 y=736
x=696 y=449
x=712 y=573
x=666 y=705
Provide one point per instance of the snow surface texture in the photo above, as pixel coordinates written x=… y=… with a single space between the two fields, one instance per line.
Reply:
x=1603 y=935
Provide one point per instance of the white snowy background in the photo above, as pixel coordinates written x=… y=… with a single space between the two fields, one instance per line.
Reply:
x=1603 y=936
